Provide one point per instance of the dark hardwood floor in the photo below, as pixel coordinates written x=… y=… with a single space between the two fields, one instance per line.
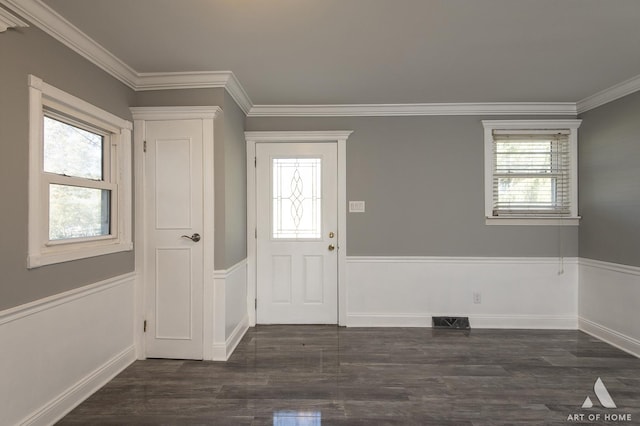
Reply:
x=325 y=375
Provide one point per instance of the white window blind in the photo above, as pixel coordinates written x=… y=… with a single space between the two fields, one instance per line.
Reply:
x=531 y=173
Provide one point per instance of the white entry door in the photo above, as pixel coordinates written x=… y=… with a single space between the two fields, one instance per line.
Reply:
x=297 y=212
x=174 y=208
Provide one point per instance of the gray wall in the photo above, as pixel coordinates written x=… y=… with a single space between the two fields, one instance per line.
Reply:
x=229 y=164
x=30 y=51
x=422 y=181
x=609 y=175
x=235 y=191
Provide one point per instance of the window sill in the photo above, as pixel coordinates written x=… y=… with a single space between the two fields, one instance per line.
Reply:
x=76 y=253
x=533 y=221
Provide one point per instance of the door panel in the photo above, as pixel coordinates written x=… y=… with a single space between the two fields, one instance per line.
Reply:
x=297 y=222
x=175 y=263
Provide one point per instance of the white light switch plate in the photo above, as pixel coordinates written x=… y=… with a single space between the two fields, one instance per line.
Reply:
x=356 y=206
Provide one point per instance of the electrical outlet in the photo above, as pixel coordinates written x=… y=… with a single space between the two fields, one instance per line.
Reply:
x=477 y=298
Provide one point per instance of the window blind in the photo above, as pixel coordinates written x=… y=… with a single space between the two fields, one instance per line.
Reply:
x=531 y=174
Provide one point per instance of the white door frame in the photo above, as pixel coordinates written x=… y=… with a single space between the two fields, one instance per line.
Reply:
x=140 y=115
x=335 y=136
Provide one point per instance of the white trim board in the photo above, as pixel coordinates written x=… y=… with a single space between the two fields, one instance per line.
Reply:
x=196 y=80
x=390 y=110
x=223 y=351
x=62 y=30
x=340 y=138
x=175 y=113
x=609 y=94
x=31 y=308
x=9 y=20
x=51 y=22
x=612 y=337
x=533 y=322
x=83 y=389
x=222 y=274
x=615 y=267
x=207 y=114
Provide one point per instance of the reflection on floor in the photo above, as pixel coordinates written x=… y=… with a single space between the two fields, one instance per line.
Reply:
x=312 y=375
x=297 y=418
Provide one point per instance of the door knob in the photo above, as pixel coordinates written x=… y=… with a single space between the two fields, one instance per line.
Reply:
x=195 y=237
x=332 y=247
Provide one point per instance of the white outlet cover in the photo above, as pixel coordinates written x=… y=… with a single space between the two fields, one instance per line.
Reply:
x=356 y=206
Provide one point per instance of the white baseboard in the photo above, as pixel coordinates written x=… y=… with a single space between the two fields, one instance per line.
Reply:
x=476 y=321
x=76 y=394
x=222 y=352
x=608 y=303
x=57 y=351
x=612 y=337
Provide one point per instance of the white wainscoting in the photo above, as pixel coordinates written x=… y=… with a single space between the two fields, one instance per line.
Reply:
x=609 y=300
x=514 y=292
x=56 y=352
x=231 y=318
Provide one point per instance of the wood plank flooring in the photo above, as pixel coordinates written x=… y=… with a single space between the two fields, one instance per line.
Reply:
x=325 y=375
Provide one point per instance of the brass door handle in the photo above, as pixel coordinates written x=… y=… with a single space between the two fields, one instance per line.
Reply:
x=332 y=247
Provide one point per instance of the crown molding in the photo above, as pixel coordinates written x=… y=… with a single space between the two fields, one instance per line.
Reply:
x=48 y=20
x=610 y=94
x=195 y=80
x=375 y=110
x=297 y=136
x=9 y=20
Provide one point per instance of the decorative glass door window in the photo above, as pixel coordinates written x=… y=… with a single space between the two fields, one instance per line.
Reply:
x=297 y=198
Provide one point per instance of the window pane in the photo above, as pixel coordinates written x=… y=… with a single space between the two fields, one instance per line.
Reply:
x=524 y=157
x=297 y=198
x=76 y=212
x=526 y=192
x=71 y=151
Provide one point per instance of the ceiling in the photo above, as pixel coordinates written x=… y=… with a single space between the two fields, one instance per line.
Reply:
x=377 y=51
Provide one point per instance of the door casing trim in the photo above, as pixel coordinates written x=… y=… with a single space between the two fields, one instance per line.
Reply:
x=338 y=137
x=169 y=113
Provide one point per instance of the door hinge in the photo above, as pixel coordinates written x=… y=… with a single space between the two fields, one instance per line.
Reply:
x=255 y=161
x=144 y=326
x=256 y=303
x=144 y=146
x=255 y=234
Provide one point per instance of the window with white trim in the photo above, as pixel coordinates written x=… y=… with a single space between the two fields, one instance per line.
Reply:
x=79 y=178
x=531 y=172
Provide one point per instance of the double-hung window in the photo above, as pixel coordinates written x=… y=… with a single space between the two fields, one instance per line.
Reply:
x=531 y=172
x=79 y=178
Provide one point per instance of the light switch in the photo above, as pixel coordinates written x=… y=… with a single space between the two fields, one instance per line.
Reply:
x=356 y=206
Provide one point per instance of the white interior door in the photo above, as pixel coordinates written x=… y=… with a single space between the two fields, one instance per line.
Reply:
x=174 y=272
x=297 y=260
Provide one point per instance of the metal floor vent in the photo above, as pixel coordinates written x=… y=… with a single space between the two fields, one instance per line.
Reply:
x=461 y=323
